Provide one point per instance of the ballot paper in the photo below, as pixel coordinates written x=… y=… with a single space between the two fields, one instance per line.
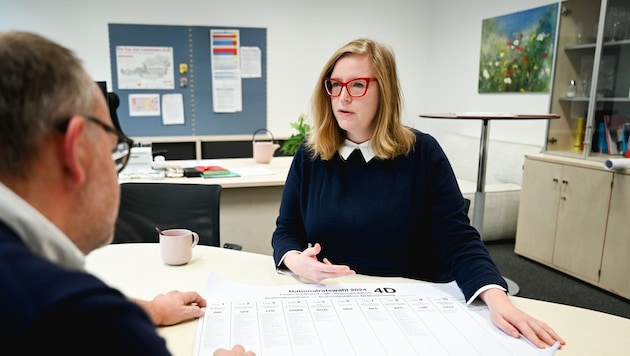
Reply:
x=352 y=319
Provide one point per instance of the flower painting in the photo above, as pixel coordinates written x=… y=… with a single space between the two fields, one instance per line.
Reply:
x=517 y=51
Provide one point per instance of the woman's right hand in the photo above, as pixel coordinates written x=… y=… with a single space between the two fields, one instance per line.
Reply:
x=308 y=267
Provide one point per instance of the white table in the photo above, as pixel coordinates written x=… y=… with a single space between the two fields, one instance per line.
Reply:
x=136 y=269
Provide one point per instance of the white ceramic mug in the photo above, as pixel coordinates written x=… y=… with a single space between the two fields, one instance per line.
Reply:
x=176 y=246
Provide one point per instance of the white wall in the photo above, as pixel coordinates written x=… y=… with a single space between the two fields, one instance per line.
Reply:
x=454 y=60
x=436 y=44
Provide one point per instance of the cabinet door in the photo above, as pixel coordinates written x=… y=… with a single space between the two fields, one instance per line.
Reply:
x=611 y=91
x=582 y=215
x=615 y=270
x=538 y=208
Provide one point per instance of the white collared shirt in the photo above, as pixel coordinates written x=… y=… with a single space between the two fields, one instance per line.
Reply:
x=348 y=147
x=40 y=235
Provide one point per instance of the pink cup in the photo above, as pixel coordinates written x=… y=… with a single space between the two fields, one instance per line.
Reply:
x=176 y=246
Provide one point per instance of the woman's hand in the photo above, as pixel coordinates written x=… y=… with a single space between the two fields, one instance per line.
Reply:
x=515 y=322
x=307 y=266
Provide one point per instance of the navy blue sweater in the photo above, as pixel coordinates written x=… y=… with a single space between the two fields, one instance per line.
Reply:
x=46 y=309
x=399 y=217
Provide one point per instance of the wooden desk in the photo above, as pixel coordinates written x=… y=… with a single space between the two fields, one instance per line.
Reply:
x=249 y=204
x=136 y=269
x=480 y=195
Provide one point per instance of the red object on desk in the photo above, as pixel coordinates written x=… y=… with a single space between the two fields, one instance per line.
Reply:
x=204 y=169
x=215 y=172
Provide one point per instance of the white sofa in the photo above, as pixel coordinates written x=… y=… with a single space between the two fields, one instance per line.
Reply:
x=504 y=173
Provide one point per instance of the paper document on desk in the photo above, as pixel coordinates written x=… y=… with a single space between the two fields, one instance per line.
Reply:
x=252 y=171
x=350 y=319
x=186 y=163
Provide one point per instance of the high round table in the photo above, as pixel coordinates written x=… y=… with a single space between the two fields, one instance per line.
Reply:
x=137 y=270
x=480 y=194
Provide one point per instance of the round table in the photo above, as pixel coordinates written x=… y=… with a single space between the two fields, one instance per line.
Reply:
x=136 y=270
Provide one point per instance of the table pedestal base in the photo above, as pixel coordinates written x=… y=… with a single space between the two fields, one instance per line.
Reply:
x=513 y=287
x=479 y=207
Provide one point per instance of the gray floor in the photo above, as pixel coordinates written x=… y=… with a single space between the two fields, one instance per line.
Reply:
x=541 y=282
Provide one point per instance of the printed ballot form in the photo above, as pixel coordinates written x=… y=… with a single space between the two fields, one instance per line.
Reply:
x=350 y=319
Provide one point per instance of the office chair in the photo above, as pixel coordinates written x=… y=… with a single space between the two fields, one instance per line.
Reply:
x=145 y=206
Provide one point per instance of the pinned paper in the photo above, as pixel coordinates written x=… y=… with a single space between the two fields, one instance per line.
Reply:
x=173 y=109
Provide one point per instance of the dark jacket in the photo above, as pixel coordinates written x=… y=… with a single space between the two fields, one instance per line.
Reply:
x=45 y=308
x=399 y=217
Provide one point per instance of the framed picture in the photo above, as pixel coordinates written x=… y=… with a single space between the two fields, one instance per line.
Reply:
x=517 y=51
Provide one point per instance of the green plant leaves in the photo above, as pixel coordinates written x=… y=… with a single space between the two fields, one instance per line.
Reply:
x=292 y=143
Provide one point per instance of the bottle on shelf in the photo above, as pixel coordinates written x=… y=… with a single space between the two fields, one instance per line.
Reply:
x=578 y=143
x=571 y=89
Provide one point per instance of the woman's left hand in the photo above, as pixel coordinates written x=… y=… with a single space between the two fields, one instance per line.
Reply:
x=515 y=322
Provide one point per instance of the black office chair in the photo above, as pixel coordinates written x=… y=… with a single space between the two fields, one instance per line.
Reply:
x=145 y=206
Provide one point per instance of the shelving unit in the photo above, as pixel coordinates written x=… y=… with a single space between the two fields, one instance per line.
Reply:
x=573 y=211
x=601 y=55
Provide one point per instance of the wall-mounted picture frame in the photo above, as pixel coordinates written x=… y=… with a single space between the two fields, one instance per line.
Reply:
x=517 y=51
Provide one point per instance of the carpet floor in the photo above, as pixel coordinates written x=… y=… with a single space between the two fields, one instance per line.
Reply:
x=540 y=282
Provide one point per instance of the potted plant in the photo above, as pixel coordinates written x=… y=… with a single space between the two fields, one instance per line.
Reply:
x=292 y=143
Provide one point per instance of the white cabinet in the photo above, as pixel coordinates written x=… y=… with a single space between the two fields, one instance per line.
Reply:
x=581 y=224
x=538 y=210
x=568 y=221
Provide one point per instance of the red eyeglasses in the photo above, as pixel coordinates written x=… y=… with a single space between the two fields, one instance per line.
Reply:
x=356 y=87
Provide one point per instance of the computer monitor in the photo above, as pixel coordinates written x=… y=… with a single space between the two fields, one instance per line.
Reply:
x=103 y=86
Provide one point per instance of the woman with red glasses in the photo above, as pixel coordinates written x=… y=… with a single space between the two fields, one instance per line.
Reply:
x=366 y=194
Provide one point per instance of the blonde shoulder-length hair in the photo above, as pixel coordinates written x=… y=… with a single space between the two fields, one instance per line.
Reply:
x=390 y=138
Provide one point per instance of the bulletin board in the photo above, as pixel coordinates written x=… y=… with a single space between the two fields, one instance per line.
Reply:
x=182 y=67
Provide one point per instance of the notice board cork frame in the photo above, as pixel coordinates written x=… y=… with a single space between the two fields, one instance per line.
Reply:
x=191 y=45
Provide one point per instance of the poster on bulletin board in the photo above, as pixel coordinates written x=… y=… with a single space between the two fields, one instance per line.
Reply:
x=189 y=80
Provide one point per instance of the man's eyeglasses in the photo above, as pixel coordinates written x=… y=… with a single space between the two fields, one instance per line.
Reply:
x=356 y=87
x=122 y=150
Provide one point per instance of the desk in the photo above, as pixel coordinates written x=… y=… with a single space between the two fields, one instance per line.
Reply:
x=278 y=167
x=136 y=269
x=254 y=199
x=480 y=195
